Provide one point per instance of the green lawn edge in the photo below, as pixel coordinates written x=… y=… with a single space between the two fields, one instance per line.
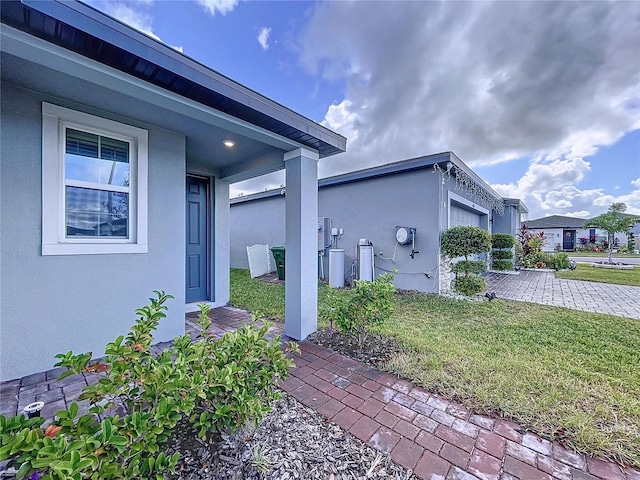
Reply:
x=587 y=273
x=567 y=375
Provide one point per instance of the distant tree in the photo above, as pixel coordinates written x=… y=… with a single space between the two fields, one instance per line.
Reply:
x=612 y=222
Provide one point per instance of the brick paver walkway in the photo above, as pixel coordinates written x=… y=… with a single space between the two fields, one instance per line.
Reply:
x=436 y=438
x=543 y=287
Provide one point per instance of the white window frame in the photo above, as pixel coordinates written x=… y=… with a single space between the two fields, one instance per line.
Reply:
x=55 y=120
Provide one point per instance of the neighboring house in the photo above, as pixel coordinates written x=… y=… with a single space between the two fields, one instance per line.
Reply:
x=428 y=194
x=564 y=233
x=115 y=182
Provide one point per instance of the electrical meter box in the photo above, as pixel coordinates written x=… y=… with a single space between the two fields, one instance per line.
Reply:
x=324 y=233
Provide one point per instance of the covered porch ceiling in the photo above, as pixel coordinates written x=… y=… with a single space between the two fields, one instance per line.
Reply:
x=102 y=72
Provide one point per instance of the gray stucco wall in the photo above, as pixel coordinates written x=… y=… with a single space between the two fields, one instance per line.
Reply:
x=368 y=209
x=53 y=304
x=507 y=223
x=261 y=222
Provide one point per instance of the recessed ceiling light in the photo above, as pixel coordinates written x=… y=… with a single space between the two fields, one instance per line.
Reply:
x=229 y=143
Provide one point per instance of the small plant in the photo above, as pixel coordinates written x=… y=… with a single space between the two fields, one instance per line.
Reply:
x=502 y=265
x=140 y=397
x=371 y=304
x=473 y=266
x=260 y=459
x=562 y=261
x=502 y=240
x=469 y=285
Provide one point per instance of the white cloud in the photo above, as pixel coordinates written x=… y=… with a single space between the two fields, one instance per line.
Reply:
x=218 y=6
x=579 y=214
x=542 y=176
x=135 y=13
x=490 y=81
x=636 y=182
x=263 y=37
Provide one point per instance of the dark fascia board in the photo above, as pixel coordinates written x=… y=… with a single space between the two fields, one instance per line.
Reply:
x=111 y=30
x=379 y=171
x=389 y=169
x=358 y=175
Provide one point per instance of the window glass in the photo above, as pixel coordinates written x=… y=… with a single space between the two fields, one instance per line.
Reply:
x=96 y=213
x=96 y=159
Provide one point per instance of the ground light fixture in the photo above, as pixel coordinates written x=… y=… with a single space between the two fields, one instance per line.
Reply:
x=229 y=143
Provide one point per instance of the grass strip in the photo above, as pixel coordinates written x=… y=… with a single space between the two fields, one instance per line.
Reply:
x=588 y=273
x=565 y=374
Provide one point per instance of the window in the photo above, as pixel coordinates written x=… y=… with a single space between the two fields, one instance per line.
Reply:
x=94 y=184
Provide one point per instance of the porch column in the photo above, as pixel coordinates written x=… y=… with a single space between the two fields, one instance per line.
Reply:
x=221 y=244
x=301 y=238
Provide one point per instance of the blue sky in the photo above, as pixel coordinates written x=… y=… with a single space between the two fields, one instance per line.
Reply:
x=541 y=99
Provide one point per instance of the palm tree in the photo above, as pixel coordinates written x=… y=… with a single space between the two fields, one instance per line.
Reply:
x=612 y=222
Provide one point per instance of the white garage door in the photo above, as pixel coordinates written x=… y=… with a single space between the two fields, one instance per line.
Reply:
x=460 y=216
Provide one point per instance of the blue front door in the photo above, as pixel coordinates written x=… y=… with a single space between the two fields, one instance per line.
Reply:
x=569 y=240
x=197 y=240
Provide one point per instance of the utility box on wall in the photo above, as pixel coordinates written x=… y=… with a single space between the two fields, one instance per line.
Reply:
x=324 y=233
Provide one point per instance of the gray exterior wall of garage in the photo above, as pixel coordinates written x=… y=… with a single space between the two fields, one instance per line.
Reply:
x=370 y=204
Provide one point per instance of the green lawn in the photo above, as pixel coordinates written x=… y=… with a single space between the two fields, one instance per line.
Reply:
x=585 y=271
x=603 y=254
x=562 y=373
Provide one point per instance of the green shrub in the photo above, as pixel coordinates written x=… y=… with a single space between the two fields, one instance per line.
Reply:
x=464 y=240
x=501 y=265
x=469 y=285
x=214 y=383
x=562 y=261
x=471 y=266
x=501 y=254
x=502 y=240
x=548 y=258
x=519 y=252
x=371 y=304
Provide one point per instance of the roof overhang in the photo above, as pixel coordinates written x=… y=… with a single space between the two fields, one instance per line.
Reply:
x=446 y=162
x=68 y=50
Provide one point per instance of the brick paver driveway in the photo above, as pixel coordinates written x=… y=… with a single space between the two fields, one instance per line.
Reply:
x=543 y=287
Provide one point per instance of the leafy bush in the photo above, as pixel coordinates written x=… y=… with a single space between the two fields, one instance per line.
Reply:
x=502 y=240
x=141 y=397
x=501 y=265
x=471 y=266
x=519 y=253
x=469 y=285
x=548 y=258
x=501 y=254
x=530 y=242
x=562 y=261
x=464 y=240
x=371 y=304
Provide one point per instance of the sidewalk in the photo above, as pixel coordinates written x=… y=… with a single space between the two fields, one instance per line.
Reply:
x=435 y=438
